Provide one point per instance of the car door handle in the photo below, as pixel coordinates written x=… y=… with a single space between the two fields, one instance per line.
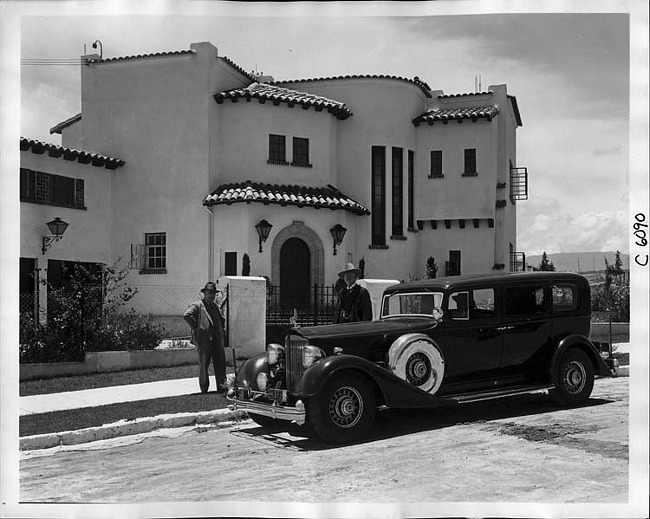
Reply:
x=504 y=328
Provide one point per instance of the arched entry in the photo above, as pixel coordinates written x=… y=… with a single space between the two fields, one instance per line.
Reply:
x=314 y=244
x=295 y=273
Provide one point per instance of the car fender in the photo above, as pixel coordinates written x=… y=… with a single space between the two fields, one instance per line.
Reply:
x=394 y=391
x=583 y=343
x=247 y=373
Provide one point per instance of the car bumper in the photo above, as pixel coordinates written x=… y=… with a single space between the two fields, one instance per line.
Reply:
x=279 y=412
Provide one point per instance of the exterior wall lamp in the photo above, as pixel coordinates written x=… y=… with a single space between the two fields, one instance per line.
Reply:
x=338 y=233
x=57 y=227
x=263 y=229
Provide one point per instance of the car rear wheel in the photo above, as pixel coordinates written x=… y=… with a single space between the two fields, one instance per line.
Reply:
x=574 y=378
x=344 y=410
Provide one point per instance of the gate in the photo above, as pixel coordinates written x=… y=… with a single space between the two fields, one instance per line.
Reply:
x=288 y=309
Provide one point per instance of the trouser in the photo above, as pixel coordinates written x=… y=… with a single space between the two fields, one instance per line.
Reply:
x=216 y=355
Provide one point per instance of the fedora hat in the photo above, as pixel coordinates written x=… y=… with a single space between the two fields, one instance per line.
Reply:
x=209 y=286
x=349 y=267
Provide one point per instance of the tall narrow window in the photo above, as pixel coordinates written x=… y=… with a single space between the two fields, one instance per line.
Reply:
x=378 y=195
x=156 y=251
x=470 y=163
x=300 y=152
x=398 y=192
x=277 y=149
x=411 y=211
x=436 y=164
x=230 y=267
x=452 y=267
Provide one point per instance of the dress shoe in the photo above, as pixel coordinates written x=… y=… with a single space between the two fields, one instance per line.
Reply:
x=222 y=388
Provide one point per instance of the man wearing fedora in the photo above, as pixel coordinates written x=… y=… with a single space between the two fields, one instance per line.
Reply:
x=208 y=326
x=354 y=300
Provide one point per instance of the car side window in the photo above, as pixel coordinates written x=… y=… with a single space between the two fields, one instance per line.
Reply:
x=472 y=304
x=565 y=297
x=524 y=300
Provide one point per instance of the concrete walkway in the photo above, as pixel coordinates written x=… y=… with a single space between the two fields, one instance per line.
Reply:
x=46 y=403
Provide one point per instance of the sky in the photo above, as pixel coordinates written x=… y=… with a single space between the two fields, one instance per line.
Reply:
x=568 y=71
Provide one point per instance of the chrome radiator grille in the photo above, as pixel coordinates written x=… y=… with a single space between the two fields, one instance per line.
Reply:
x=294 y=345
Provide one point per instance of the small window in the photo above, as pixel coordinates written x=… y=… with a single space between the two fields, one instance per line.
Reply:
x=277 y=149
x=300 y=152
x=481 y=304
x=156 y=251
x=564 y=298
x=470 y=163
x=525 y=300
x=436 y=164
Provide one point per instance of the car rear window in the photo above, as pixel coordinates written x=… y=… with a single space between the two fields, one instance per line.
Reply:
x=565 y=297
x=524 y=300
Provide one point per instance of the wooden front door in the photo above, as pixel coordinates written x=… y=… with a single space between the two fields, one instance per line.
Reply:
x=295 y=273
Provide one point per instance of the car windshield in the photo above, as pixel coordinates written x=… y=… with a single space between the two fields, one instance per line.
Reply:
x=420 y=303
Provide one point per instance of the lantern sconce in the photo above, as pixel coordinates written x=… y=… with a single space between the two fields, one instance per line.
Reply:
x=57 y=227
x=338 y=233
x=263 y=229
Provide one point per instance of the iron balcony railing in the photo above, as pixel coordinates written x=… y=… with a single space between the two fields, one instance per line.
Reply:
x=517 y=262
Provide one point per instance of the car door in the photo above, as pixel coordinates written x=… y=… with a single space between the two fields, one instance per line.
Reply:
x=526 y=325
x=473 y=346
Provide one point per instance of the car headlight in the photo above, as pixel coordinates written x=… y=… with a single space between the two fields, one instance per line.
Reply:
x=274 y=353
x=262 y=381
x=311 y=354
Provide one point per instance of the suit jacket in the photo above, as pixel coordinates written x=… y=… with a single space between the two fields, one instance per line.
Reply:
x=198 y=317
x=355 y=305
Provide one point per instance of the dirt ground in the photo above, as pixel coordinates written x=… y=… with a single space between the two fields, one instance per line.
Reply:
x=522 y=449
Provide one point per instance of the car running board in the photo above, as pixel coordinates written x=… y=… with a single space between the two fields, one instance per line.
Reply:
x=499 y=393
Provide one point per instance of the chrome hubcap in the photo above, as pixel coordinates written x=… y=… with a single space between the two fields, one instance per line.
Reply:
x=346 y=407
x=575 y=377
x=418 y=369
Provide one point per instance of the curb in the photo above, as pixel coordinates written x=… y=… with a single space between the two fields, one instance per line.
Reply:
x=128 y=427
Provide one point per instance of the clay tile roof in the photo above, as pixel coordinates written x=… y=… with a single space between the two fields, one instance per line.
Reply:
x=81 y=156
x=265 y=92
x=143 y=56
x=445 y=96
x=457 y=114
x=237 y=67
x=302 y=196
x=416 y=80
x=65 y=124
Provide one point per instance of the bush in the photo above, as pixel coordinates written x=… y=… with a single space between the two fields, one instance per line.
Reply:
x=611 y=302
x=84 y=315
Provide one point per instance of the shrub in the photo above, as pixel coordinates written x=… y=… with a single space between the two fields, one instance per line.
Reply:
x=85 y=315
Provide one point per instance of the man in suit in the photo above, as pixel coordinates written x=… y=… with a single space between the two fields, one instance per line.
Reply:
x=354 y=302
x=206 y=319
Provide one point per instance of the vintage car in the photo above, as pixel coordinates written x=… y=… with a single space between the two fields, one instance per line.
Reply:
x=437 y=342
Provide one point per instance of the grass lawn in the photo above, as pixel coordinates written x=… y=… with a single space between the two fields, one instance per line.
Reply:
x=116 y=378
x=75 y=419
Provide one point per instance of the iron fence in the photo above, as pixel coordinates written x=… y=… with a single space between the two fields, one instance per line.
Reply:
x=311 y=306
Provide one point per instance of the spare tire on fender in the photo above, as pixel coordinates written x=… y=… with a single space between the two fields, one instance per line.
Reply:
x=417 y=360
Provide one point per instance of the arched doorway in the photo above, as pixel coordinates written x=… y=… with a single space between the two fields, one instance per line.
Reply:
x=295 y=273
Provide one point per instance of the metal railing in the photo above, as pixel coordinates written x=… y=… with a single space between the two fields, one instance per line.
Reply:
x=310 y=306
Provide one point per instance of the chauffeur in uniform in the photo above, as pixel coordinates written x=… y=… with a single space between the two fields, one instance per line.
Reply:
x=208 y=326
x=355 y=302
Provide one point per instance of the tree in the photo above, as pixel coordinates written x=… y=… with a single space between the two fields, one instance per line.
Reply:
x=612 y=271
x=246 y=265
x=545 y=265
x=432 y=268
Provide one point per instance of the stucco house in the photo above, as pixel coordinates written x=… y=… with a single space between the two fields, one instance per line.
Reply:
x=192 y=157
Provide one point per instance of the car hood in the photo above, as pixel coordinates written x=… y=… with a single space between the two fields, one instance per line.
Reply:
x=365 y=328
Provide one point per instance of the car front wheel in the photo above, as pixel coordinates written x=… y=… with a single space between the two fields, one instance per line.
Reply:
x=344 y=410
x=574 y=378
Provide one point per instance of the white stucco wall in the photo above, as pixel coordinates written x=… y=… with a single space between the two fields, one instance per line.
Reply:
x=87 y=237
